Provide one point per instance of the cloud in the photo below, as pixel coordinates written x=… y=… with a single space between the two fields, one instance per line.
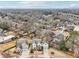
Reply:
x=34 y=3
x=74 y=5
x=24 y=2
x=39 y=4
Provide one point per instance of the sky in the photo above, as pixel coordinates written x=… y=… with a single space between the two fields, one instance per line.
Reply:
x=38 y=4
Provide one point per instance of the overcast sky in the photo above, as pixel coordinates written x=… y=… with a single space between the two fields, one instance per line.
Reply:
x=39 y=4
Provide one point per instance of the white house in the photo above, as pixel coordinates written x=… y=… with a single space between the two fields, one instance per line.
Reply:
x=36 y=43
x=45 y=50
x=33 y=45
x=6 y=38
x=76 y=28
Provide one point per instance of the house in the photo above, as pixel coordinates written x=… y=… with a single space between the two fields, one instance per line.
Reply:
x=2 y=32
x=4 y=39
x=59 y=37
x=36 y=43
x=45 y=49
x=21 y=45
x=10 y=33
x=25 y=50
x=45 y=45
x=76 y=28
x=61 y=34
x=69 y=28
x=39 y=44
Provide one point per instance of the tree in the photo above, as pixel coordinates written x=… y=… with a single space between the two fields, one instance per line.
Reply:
x=63 y=46
x=5 y=25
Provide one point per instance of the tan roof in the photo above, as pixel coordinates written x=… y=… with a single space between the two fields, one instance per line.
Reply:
x=59 y=31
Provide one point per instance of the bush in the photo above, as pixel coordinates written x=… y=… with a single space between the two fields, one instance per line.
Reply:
x=4 y=25
x=74 y=33
x=63 y=47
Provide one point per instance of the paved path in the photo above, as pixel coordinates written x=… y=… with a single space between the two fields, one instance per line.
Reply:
x=7 y=45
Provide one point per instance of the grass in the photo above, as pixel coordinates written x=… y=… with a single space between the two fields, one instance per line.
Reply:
x=74 y=33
